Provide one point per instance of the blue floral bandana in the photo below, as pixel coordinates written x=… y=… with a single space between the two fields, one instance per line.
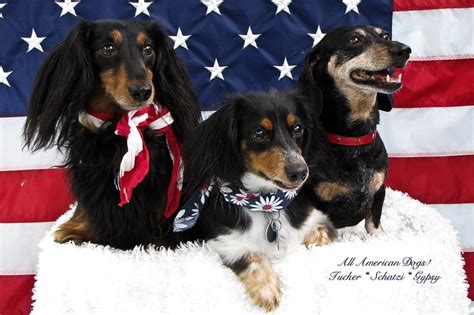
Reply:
x=234 y=194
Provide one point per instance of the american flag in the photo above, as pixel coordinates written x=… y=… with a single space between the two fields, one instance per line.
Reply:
x=236 y=46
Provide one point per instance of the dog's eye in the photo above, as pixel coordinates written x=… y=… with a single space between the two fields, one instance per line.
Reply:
x=258 y=135
x=354 y=40
x=109 y=50
x=148 y=50
x=297 y=130
x=385 y=36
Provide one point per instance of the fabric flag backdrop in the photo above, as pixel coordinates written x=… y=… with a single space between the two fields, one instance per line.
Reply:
x=236 y=46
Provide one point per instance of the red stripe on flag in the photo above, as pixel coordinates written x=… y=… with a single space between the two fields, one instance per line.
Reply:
x=436 y=83
x=434 y=179
x=469 y=267
x=406 y=5
x=15 y=294
x=33 y=195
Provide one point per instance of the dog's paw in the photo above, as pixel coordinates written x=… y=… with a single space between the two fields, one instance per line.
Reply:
x=372 y=230
x=321 y=234
x=262 y=283
x=62 y=235
x=266 y=296
x=74 y=230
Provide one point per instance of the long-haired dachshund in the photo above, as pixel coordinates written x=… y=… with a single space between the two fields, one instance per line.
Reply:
x=351 y=71
x=116 y=99
x=244 y=165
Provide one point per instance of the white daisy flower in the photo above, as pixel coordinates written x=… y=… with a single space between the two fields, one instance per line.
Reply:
x=195 y=211
x=246 y=194
x=290 y=194
x=205 y=191
x=267 y=204
x=239 y=199
x=179 y=227
x=180 y=214
x=224 y=187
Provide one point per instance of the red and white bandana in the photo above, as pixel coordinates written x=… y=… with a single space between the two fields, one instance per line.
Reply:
x=135 y=163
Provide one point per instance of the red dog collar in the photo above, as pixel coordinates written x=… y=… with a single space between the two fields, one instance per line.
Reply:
x=351 y=141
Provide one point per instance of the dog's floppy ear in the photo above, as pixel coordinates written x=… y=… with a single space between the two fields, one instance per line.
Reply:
x=310 y=121
x=60 y=89
x=307 y=82
x=385 y=102
x=213 y=150
x=174 y=88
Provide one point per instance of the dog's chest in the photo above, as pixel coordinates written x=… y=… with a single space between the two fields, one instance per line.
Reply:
x=235 y=244
x=363 y=171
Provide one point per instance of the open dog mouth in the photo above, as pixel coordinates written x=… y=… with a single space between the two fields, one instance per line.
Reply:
x=385 y=79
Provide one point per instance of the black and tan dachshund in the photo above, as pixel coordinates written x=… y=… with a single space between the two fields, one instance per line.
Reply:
x=105 y=87
x=251 y=150
x=351 y=73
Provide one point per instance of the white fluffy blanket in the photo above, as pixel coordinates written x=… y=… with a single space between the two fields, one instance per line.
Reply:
x=419 y=248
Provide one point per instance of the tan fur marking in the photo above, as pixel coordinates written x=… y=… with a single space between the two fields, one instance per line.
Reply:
x=378 y=30
x=361 y=32
x=361 y=104
x=377 y=181
x=74 y=230
x=243 y=145
x=141 y=37
x=116 y=36
x=100 y=101
x=271 y=163
x=261 y=282
x=267 y=124
x=361 y=100
x=329 y=190
x=319 y=236
x=291 y=119
x=115 y=84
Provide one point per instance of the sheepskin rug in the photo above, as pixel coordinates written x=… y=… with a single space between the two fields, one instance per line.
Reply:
x=416 y=267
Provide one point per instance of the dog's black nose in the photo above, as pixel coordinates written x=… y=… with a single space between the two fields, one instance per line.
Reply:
x=296 y=172
x=139 y=92
x=400 y=51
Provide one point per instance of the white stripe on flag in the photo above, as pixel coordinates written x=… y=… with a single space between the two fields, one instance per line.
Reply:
x=13 y=157
x=432 y=131
x=462 y=218
x=406 y=132
x=436 y=34
x=19 y=247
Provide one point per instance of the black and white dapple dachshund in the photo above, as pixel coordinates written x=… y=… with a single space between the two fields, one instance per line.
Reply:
x=249 y=155
x=117 y=100
x=351 y=71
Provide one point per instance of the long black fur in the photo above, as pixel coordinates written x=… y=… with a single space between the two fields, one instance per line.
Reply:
x=352 y=166
x=62 y=88
x=213 y=151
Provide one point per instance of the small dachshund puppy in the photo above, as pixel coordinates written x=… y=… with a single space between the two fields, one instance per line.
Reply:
x=244 y=168
x=351 y=72
x=114 y=97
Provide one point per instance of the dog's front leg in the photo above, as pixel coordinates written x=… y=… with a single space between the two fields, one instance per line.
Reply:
x=75 y=229
x=372 y=221
x=322 y=231
x=262 y=283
